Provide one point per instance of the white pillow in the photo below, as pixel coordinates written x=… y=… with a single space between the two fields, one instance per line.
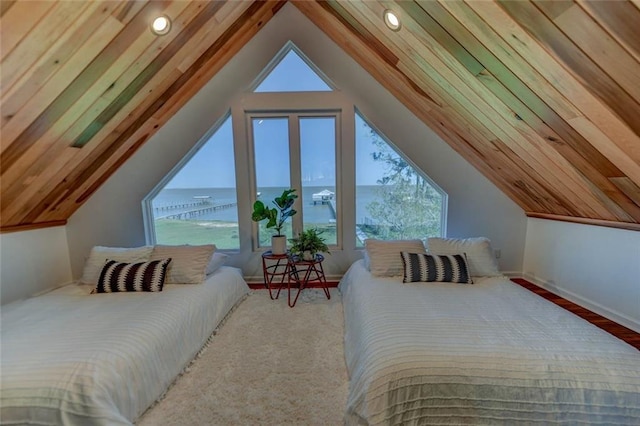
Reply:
x=384 y=259
x=478 y=250
x=217 y=260
x=188 y=263
x=99 y=255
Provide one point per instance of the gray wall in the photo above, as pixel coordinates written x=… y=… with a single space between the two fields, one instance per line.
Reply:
x=593 y=266
x=113 y=215
x=33 y=262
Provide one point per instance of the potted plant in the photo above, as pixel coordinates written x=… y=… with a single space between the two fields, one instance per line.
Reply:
x=308 y=243
x=276 y=217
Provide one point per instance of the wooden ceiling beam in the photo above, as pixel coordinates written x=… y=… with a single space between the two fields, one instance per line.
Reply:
x=541 y=97
x=18 y=181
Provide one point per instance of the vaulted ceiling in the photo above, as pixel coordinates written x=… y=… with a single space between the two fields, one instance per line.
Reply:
x=543 y=97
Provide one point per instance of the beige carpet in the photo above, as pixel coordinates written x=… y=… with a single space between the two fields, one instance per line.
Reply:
x=268 y=365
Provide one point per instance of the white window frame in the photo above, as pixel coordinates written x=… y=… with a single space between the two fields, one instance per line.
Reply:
x=435 y=186
x=312 y=104
x=295 y=166
x=248 y=105
x=147 y=201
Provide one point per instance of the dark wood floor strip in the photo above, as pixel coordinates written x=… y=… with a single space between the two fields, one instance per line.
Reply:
x=621 y=332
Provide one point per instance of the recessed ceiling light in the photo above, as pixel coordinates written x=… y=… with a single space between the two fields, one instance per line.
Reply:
x=161 y=25
x=391 y=20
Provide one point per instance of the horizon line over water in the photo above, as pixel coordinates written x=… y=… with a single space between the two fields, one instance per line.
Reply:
x=320 y=213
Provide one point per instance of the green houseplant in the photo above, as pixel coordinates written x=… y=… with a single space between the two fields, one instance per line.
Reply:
x=308 y=243
x=276 y=217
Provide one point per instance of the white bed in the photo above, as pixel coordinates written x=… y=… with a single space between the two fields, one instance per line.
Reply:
x=484 y=353
x=70 y=357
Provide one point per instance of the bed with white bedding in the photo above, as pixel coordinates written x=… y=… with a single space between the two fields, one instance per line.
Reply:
x=484 y=353
x=70 y=357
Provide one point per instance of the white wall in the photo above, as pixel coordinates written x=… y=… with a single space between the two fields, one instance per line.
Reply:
x=32 y=262
x=594 y=266
x=113 y=216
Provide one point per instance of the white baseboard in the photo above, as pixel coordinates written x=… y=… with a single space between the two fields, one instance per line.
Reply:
x=585 y=303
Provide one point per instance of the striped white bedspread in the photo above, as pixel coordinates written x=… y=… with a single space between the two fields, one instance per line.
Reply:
x=69 y=357
x=487 y=353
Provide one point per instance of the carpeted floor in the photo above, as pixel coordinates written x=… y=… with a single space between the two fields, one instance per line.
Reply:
x=268 y=365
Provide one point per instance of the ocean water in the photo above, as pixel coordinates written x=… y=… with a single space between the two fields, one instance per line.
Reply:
x=318 y=213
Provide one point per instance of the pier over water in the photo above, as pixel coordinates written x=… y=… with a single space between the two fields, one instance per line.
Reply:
x=189 y=210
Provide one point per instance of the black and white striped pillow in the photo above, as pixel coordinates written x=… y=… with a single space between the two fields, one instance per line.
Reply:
x=119 y=277
x=442 y=268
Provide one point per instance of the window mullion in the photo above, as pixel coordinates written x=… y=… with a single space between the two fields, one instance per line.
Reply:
x=295 y=168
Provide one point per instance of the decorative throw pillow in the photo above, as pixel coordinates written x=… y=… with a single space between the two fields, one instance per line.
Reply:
x=144 y=276
x=216 y=261
x=384 y=256
x=478 y=250
x=189 y=264
x=100 y=254
x=441 y=268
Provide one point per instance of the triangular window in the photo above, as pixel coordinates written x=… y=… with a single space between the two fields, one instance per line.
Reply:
x=394 y=199
x=290 y=71
x=196 y=202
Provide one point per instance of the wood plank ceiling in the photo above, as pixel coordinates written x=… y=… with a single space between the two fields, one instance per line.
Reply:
x=542 y=97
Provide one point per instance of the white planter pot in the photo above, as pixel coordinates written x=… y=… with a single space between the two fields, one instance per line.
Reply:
x=278 y=244
x=307 y=255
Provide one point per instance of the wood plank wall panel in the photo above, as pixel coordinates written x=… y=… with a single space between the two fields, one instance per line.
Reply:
x=620 y=18
x=81 y=185
x=220 y=51
x=19 y=20
x=109 y=88
x=13 y=98
x=528 y=107
x=51 y=125
x=414 y=95
x=552 y=90
x=499 y=120
x=575 y=40
x=541 y=97
x=501 y=125
x=584 y=112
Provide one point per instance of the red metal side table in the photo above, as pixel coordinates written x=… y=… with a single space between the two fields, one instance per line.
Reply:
x=304 y=272
x=275 y=268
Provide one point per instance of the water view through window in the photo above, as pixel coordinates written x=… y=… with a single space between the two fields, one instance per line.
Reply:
x=199 y=204
x=296 y=149
x=393 y=199
x=318 y=167
x=310 y=165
